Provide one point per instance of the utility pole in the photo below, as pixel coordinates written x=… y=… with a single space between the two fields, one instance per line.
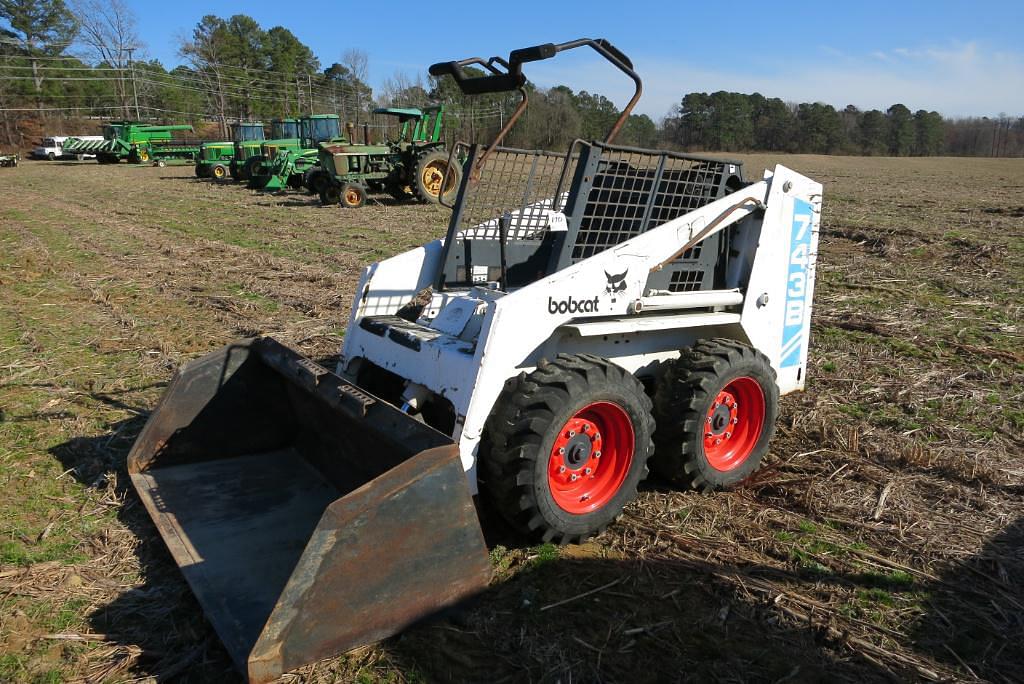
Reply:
x=135 y=92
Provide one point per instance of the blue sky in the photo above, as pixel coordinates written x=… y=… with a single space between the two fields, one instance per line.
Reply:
x=960 y=58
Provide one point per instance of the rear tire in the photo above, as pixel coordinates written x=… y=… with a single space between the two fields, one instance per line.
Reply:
x=715 y=408
x=249 y=168
x=430 y=174
x=566 y=446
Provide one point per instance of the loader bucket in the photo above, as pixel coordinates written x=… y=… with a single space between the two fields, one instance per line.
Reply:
x=308 y=516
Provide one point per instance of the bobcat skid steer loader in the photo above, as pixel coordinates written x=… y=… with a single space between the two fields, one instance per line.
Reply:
x=582 y=308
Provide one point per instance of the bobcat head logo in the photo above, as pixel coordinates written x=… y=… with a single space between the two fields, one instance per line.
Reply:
x=616 y=283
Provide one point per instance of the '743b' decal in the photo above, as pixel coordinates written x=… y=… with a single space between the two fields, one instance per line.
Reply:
x=797 y=284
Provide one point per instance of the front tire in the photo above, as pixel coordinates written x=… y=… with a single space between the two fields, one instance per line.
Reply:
x=219 y=172
x=566 y=447
x=353 y=195
x=715 y=407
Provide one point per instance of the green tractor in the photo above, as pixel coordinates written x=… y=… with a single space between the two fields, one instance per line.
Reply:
x=135 y=142
x=413 y=165
x=250 y=153
x=271 y=171
x=215 y=158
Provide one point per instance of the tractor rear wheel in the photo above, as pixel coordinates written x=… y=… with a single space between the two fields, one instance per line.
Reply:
x=566 y=446
x=433 y=172
x=249 y=168
x=715 y=407
x=219 y=172
x=353 y=195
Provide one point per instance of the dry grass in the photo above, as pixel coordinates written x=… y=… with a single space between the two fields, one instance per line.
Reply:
x=884 y=539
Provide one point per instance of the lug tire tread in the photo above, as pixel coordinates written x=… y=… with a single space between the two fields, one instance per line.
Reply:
x=683 y=392
x=521 y=420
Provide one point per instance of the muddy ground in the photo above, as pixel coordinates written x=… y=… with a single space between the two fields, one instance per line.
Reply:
x=884 y=539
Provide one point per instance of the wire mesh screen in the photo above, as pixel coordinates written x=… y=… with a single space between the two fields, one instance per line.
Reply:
x=634 y=191
x=518 y=182
x=686 y=281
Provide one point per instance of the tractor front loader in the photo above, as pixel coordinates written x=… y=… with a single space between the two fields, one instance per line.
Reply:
x=584 y=309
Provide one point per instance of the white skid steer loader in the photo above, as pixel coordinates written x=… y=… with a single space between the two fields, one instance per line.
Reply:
x=586 y=312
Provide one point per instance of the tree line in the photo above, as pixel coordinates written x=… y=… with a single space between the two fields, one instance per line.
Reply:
x=65 y=64
x=734 y=122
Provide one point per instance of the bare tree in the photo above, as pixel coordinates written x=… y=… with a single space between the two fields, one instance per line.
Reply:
x=107 y=29
x=358 y=64
x=204 y=51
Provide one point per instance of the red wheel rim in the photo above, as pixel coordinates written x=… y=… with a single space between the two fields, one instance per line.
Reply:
x=590 y=457
x=733 y=424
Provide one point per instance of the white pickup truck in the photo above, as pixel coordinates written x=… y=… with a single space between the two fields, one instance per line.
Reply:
x=52 y=148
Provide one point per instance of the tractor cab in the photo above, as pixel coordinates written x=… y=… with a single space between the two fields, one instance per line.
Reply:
x=317 y=128
x=244 y=131
x=284 y=128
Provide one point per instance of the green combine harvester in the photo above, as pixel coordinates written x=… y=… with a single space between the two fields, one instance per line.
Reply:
x=284 y=163
x=136 y=142
x=215 y=159
x=250 y=153
x=413 y=165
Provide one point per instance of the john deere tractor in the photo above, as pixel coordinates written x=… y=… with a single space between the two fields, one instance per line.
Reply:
x=215 y=158
x=413 y=165
x=271 y=171
x=282 y=132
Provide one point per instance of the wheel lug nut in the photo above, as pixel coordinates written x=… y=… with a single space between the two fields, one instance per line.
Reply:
x=728 y=435
x=586 y=428
x=572 y=433
x=735 y=421
x=709 y=420
x=574 y=477
x=588 y=471
x=716 y=405
x=561 y=469
x=718 y=441
x=597 y=435
x=597 y=454
x=561 y=451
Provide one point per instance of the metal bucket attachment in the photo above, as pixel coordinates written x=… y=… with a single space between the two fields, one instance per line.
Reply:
x=308 y=517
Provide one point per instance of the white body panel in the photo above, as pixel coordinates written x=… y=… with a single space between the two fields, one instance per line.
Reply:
x=484 y=337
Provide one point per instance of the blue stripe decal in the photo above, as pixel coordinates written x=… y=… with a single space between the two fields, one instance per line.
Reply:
x=796 y=284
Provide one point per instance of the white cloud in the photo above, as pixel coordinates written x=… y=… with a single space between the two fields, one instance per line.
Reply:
x=961 y=79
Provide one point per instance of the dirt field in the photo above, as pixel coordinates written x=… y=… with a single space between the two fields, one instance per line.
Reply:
x=884 y=538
